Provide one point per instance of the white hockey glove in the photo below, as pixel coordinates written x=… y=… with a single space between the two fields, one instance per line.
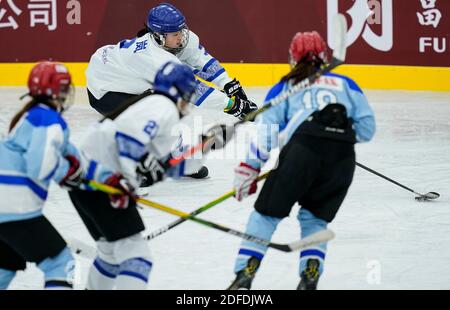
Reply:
x=245 y=181
x=151 y=170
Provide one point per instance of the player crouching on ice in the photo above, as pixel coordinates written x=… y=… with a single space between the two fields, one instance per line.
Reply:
x=35 y=152
x=136 y=141
x=119 y=72
x=320 y=126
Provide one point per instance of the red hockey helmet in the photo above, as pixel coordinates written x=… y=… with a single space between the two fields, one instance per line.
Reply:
x=307 y=45
x=49 y=79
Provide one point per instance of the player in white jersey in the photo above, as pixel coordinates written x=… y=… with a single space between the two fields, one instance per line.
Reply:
x=35 y=152
x=135 y=141
x=118 y=72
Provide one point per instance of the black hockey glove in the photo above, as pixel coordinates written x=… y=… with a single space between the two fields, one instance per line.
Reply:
x=219 y=135
x=241 y=108
x=151 y=170
x=234 y=89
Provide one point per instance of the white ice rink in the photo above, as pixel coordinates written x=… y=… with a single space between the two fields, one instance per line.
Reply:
x=385 y=239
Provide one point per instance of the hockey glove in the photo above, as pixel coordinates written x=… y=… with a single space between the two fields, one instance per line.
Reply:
x=219 y=135
x=151 y=170
x=74 y=176
x=234 y=89
x=241 y=108
x=120 y=201
x=245 y=181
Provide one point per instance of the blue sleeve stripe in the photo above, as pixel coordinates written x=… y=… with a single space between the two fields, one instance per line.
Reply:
x=252 y=253
x=91 y=170
x=129 y=138
x=216 y=75
x=204 y=96
x=129 y=156
x=24 y=181
x=196 y=71
x=209 y=64
x=312 y=252
x=134 y=275
x=129 y=147
x=258 y=153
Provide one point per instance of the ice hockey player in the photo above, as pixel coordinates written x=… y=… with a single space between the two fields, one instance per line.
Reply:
x=118 y=72
x=319 y=127
x=122 y=71
x=136 y=141
x=35 y=152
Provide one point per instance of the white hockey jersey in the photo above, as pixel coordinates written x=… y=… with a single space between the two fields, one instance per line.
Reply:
x=148 y=126
x=131 y=66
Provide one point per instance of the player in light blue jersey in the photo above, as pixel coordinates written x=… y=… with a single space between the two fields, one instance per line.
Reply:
x=36 y=151
x=316 y=130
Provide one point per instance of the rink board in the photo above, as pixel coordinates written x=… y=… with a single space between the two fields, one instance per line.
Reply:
x=368 y=76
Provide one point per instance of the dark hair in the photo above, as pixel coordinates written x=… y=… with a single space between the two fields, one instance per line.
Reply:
x=31 y=104
x=146 y=30
x=302 y=70
x=143 y=32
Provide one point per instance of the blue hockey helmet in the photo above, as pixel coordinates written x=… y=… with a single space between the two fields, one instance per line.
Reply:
x=176 y=81
x=164 y=19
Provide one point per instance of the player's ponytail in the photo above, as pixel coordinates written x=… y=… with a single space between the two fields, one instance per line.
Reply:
x=143 y=32
x=31 y=104
x=302 y=70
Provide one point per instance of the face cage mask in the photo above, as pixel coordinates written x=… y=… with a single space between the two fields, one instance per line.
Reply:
x=66 y=98
x=186 y=110
x=161 y=40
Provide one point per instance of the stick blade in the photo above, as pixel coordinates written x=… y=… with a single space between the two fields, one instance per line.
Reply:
x=340 y=37
x=428 y=196
x=320 y=237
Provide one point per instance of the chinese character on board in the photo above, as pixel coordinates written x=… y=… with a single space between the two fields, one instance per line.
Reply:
x=428 y=4
x=43 y=12
x=9 y=22
x=431 y=16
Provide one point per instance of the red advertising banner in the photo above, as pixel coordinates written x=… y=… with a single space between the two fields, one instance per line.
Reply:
x=384 y=32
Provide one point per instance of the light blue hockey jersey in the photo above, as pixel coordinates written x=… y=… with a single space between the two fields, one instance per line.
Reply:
x=276 y=126
x=30 y=157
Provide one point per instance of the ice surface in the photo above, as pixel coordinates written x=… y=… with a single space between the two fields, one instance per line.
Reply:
x=385 y=239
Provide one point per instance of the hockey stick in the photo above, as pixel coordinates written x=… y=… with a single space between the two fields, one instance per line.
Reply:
x=339 y=55
x=81 y=248
x=208 y=206
x=420 y=197
x=320 y=237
